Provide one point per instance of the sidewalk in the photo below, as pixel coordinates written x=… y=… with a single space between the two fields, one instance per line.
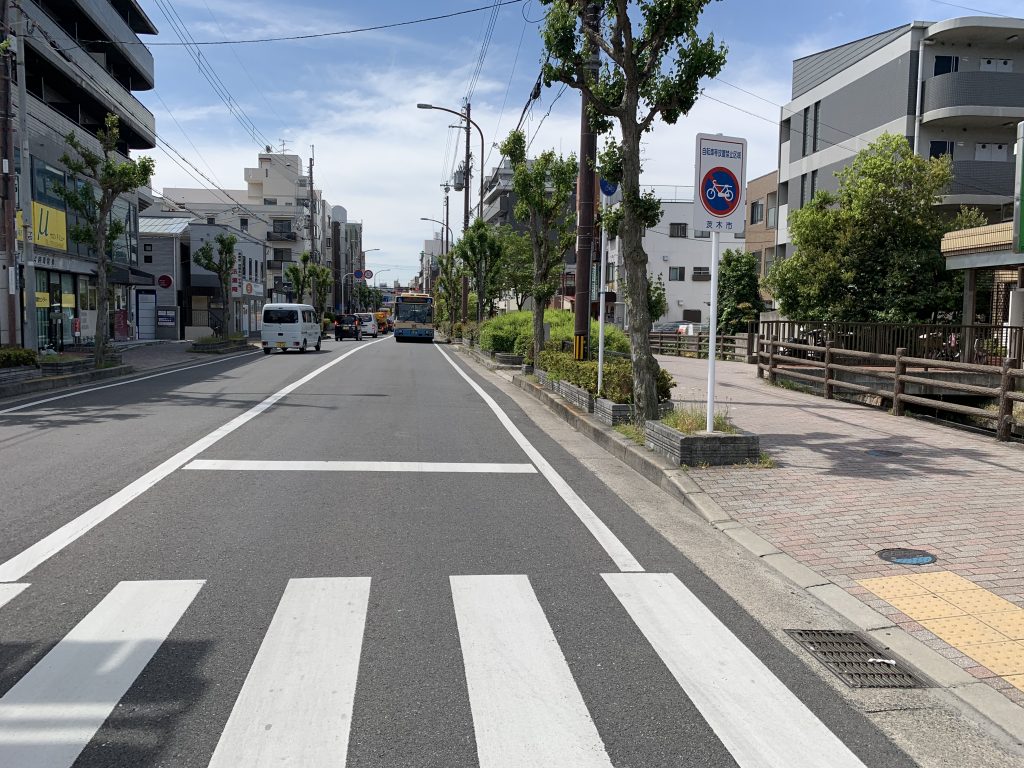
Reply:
x=831 y=504
x=147 y=356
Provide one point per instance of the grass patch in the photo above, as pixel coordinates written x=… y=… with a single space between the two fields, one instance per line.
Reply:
x=764 y=461
x=532 y=378
x=633 y=432
x=794 y=386
x=693 y=418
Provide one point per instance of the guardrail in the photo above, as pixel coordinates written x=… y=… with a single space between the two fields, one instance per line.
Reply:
x=887 y=376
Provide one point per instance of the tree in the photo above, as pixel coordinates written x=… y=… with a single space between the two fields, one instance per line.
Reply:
x=515 y=271
x=299 y=276
x=99 y=179
x=448 y=289
x=657 y=302
x=480 y=250
x=542 y=187
x=321 y=280
x=368 y=299
x=739 y=291
x=222 y=266
x=871 y=251
x=650 y=69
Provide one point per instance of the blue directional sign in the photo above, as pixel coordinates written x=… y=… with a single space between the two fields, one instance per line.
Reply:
x=358 y=274
x=608 y=188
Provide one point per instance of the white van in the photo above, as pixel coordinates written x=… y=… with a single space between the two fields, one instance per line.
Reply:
x=290 y=326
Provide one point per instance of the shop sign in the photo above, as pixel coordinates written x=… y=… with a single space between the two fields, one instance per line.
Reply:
x=166 y=318
x=165 y=281
x=49 y=227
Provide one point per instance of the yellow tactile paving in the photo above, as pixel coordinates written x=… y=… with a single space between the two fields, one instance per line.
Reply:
x=920 y=607
x=1002 y=658
x=963 y=630
x=973 y=620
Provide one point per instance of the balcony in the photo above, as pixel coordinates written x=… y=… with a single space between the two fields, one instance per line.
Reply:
x=979 y=177
x=985 y=98
x=256 y=175
x=281 y=236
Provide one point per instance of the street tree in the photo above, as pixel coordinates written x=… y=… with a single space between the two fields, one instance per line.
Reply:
x=480 y=250
x=739 y=291
x=871 y=250
x=652 y=62
x=97 y=180
x=368 y=299
x=657 y=301
x=542 y=187
x=299 y=276
x=515 y=273
x=448 y=289
x=321 y=280
x=222 y=265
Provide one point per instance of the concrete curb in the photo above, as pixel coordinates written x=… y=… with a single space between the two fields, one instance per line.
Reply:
x=984 y=700
x=49 y=383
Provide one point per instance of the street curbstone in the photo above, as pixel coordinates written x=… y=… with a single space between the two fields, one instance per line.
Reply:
x=845 y=604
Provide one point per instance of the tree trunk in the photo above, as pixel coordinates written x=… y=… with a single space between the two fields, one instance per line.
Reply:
x=102 y=308
x=225 y=288
x=645 y=367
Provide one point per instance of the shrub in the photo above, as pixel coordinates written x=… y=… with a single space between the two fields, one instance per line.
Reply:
x=457 y=330
x=694 y=418
x=618 y=376
x=513 y=332
x=499 y=334
x=15 y=357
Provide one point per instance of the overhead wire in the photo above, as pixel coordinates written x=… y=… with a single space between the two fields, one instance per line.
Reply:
x=485 y=43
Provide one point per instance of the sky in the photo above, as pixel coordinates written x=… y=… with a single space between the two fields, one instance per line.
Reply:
x=353 y=97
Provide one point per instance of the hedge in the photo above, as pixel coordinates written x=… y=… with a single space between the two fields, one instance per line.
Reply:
x=14 y=357
x=618 y=376
x=513 y=332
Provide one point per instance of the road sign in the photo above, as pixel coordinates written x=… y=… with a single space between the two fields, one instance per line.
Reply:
x=358 y=274
x=608 y=188
x=367 y=274
x=721 y=172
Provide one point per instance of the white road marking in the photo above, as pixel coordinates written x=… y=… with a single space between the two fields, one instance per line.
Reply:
x=10 y=591
x=52 y=713
x=360 y=466
x=24 y=562
x=295 y=708
x=526 y=707
x=621 y=556
x=34 y=403
x=760 y=721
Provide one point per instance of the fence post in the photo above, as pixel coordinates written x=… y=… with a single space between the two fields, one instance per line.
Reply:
x=897 y=382
x=1006 y=386
x=771 y=359
x=828 y=377
x=757 y=360
x=751 y=338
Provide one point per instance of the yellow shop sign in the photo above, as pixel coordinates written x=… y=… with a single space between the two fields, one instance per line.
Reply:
x=50 y=227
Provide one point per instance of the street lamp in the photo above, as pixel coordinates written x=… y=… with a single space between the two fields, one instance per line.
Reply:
x=469 y=122
x=362 y=258
x=379 y=272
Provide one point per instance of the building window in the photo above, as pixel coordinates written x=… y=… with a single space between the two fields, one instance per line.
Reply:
x=938 y=149
x=817 y=113
x=282 y=254
x=757 y=211
x=691 y=316
x=814 y=183
x=270 y=201
x=282 y=226
x=147 y=247
x=771 y=214
x=803 y=190
x=676 y=274
x=147 y=258
x=677 y=230
x=701 y=274
x=946 y=64
x=806 y=138
x=701 y=234
x=243 y=224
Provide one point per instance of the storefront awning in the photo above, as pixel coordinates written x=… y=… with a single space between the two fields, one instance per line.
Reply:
x=124 y=275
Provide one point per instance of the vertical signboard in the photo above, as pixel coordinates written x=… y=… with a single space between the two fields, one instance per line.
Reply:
x=721 y=178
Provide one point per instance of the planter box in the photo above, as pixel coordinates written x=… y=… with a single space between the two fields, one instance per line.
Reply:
x=614 y=414
x=66 y=367
x=220 y=347
x=576 y=396
x=703 y=448
x=543 y=380
x=21 y=373
x=506 y=358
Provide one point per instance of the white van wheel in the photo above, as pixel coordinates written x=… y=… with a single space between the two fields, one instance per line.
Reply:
x=317 y=347
x=303 y=347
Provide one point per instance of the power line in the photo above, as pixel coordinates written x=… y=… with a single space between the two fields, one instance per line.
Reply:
x=508 y=88
x=973 y=10
x=484 y=45
x=545 y=117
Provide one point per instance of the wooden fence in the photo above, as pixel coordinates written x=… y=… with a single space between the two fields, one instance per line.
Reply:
x=739 y=347
x=889 y=374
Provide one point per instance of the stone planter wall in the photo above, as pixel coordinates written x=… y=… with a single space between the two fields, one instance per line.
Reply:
x=702 y=448
x=21 y=373
x=66 y=367
x=506 y=358
x=576 y=396
x=614 y=414
x=221 y=347
x=543 y=380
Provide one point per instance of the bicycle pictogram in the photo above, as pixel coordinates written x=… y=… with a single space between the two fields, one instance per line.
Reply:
x=720 y=192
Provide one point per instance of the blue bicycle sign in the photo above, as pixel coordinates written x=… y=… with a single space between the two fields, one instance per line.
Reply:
x=720 y=191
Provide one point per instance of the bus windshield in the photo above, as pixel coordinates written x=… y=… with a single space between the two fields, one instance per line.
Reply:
x=414 y=313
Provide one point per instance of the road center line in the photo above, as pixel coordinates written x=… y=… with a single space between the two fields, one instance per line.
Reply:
x=10 y=591
x=360 y=466
x=34 y=403
x=24 y=562
x=621 y=556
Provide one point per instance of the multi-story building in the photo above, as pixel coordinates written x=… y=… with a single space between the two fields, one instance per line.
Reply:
x=762 y=201
x=355 y=259
x=953 y=87
x=680 y=256
x=83 y=60
x=429 y=267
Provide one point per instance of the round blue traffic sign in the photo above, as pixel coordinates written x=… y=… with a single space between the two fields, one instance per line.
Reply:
x=720 y=192
x=358 y=274
x=608 y=187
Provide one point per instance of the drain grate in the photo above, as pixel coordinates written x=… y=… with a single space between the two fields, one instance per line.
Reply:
x=855 y=659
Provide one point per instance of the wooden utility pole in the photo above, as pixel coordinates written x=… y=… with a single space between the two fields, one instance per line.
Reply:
x=29 y=334
x=8 y=190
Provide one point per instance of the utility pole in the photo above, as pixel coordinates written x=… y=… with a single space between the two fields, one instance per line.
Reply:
x=585 y=193
x=8 y=192
x=30 y=334
x=465 y=219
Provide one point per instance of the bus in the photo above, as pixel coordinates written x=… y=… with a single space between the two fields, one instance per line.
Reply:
x=414 y=317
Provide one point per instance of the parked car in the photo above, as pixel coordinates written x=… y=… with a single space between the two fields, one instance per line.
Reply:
x=368 y=323
x=347 y=326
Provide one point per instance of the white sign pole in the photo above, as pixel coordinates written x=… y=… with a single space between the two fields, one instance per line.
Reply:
x=713 y=330
x=601 y=310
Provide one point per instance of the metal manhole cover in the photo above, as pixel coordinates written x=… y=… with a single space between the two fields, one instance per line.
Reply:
x=882 y=453
x=856 y=660
x=901 y=556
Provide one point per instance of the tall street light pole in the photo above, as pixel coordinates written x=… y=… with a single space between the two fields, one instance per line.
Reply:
x=351 y=298
x=445 y=239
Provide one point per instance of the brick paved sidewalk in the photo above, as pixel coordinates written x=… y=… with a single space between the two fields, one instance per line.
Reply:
x=831 y=505
x=146 y=357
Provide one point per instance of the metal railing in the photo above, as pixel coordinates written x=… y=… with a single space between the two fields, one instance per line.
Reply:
x=211 y=318
x=738 y=347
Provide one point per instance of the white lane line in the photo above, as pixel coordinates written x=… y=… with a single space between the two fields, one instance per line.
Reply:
x=10 y=591
x=760 y=721
x=621 y=556
x=22 y=563
x=52 y=713
x=360 y=466
x=120 y=383
x=295 y=707
x=526 y=707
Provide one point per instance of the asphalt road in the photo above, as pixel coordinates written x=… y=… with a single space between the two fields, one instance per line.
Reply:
x=366 y=556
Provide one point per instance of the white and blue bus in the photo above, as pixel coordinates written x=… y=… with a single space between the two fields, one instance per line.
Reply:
x=414 y=317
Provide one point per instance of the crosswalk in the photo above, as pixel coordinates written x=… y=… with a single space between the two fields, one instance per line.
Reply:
x=297 y=702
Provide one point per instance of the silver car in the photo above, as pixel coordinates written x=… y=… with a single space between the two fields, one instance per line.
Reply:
x=368 y=324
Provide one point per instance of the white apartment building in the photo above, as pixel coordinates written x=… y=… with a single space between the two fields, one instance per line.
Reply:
x=680 y=256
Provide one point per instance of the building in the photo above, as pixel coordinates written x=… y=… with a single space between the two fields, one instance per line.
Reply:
x=680 y=256
x=354 y=259
x=82 y=61
x=762 y=201
x=429 y=267
x=953 y=87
